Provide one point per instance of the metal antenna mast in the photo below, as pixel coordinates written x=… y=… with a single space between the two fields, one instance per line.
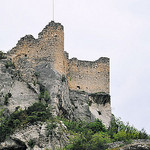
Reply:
x=53 y=10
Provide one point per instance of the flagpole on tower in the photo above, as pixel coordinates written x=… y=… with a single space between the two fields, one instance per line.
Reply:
x=53 y=10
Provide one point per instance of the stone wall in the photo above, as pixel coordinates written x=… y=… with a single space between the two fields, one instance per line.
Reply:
x=49 y=45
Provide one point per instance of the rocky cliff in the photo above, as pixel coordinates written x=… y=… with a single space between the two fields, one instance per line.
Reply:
x=39 y=70
x=22 y=86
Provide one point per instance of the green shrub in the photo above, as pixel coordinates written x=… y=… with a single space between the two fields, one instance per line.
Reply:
x=81 y=126
x=6 y=98
x=16 y=123
x=9 y=64
x=34 y=113
x=96 y=126
x=9 y=95
x=37 y=74
x=120 y=131
x=87 y=136
x=120 y=136
x=2 y=56
x=94 y=135
x=88 y=141
x=31 y=143
x=44 y=94
x=75 y=126
x=63 y=79
x=99 y=141
x=77 y=142
x=51 y=124
x=143 y=134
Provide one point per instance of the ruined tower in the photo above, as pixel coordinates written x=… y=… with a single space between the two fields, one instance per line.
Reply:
x=47 y=51
x=49 y=45
x=51 y=40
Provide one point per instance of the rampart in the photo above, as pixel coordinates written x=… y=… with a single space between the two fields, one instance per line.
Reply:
x=88 y=76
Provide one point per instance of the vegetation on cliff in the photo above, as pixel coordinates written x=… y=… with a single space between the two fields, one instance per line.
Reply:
x=2 y=55
x=84 y=135
x=20 y=118
x=94 y=135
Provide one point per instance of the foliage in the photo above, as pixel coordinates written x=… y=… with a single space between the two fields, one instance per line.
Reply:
x=96 y=126
x=9 y=64
x=51 y=124
x=6 y=98
x=81 y=126
x=34 y=113
x=99 y=141
x=88 y=141
x=119 y=131
x=63 y=78
x=31 y=143
x=44 y=94
x=94 y=135
x=87 y=136
x=37 y=74
x=143 y=134
x=2 y=56
x=9 y=95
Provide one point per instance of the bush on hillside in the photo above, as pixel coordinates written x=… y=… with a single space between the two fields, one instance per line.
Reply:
x=2 y=56
x=34 y=113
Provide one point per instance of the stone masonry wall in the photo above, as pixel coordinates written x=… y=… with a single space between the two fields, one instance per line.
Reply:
x=49 y=45
x=91 y=77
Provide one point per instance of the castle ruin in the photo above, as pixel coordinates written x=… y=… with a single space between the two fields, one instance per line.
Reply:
x=88 y=76
x=85 y=93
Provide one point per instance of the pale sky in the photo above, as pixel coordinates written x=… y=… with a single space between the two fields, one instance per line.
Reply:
x=118 y=29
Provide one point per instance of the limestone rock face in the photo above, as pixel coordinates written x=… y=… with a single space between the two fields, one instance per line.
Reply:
x=79 y=100
x=13 y=144
x=22 y=87
x=140 y=144
x=100 y=107
x=137 y=147
x=21 y=139
x=14 y=91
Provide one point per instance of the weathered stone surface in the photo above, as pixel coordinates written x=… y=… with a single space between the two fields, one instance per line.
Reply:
x=100 y=107
x=89 y=76
x=79 y=100
x=137 y=147
x=37 y=133
x=21 y=95
x=13 y=144
x=58 y=89
x=141 y=144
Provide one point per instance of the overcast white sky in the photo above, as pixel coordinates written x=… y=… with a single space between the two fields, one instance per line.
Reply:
x=118 y=29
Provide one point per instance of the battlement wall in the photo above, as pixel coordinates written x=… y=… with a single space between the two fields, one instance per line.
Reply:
x=89 y=76
x=49 y=45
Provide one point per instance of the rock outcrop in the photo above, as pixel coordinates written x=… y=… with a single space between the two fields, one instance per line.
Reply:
x=141 y=144
x=37 y=137
x=70 y=85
